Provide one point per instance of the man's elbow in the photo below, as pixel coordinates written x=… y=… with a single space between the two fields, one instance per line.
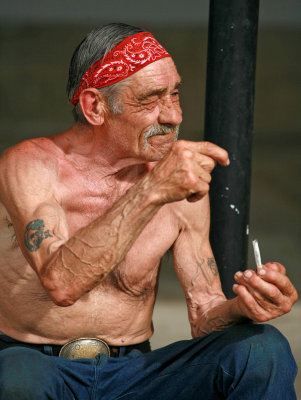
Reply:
x=60 y=292
x=62 y=298
x=59 y=295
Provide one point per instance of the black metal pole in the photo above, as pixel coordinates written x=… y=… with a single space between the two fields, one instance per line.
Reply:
x=232 y=40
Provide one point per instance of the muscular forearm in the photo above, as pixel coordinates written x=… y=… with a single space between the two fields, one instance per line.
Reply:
x=89 y=256
x=260 y=298
x=83 y=261
x=220 y=315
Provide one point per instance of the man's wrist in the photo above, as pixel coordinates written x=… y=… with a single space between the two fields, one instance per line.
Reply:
x=222 y=315
x=235 y=311
x=150 y=196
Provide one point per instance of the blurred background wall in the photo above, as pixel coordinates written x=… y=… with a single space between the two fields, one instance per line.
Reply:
x=37 y=39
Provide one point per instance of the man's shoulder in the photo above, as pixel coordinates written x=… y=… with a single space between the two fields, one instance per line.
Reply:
x=27 y=160
x=40 y=148
x=30 y=154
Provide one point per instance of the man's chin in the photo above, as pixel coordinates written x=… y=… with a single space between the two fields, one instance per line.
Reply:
x=164 y=141
x=158 y=149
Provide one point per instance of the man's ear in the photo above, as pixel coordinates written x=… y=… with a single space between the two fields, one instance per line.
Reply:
x=93 y=106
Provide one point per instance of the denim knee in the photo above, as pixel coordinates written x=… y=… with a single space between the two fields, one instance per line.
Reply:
x=267 y=343
x=277 y=352
x=263 y=339
x=27 y=374
x=263 y=353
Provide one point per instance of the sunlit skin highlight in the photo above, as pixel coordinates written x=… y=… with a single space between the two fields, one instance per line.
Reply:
x=95 y=208
x=152 y=98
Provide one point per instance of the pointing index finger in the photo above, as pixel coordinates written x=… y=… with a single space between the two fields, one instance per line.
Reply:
x=214 y=151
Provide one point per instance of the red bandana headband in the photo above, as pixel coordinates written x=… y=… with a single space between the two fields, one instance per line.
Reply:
x=132 y=54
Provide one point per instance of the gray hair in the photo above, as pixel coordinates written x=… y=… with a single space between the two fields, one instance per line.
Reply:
x=95 y=46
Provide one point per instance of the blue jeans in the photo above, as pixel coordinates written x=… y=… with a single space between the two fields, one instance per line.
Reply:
x=243 y=362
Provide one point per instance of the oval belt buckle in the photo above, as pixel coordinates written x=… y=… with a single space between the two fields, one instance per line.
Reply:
x=84 y=348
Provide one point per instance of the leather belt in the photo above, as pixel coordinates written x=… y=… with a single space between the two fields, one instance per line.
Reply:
x=78 y=347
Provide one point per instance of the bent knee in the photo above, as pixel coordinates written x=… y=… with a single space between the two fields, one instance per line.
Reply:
x=264 y=336
x=275 y=345
x=266 y=343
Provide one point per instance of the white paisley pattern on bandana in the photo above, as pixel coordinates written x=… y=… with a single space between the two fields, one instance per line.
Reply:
x=133 y=53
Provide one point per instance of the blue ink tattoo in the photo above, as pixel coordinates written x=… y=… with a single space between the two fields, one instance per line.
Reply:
x=35 y=234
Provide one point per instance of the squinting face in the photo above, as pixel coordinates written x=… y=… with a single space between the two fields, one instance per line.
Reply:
x=149 y=123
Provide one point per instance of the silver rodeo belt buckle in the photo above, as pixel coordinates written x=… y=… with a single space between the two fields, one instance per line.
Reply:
x=84 y=348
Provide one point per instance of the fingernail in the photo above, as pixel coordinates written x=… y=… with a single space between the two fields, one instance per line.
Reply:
x=262 y=271
x=235 y=285
x=239 y=274
x=248 y=274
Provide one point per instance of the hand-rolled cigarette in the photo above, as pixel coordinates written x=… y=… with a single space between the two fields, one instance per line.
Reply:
x=257 y=254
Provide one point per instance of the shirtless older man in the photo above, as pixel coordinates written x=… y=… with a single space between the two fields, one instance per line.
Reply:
x=86 y=216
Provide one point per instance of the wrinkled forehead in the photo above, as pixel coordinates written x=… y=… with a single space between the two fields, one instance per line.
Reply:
x=161 y=75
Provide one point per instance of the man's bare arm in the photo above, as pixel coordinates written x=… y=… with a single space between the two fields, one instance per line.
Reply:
x=196 y=268
x=69 y=267
x=259 y=297
x=89 y=256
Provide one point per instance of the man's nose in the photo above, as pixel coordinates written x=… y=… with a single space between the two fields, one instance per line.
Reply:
x=170 y=112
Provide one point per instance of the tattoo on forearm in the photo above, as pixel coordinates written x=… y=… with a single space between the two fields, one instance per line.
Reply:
x=212 y=265
x=35 y=234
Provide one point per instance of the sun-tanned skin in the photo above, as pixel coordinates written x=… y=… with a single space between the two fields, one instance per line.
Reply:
x=86 y=216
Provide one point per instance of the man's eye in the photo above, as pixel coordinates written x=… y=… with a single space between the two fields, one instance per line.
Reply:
x=175 y=97
x=149 y=102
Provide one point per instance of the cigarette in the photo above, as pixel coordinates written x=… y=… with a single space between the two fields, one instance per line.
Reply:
x=257 y=254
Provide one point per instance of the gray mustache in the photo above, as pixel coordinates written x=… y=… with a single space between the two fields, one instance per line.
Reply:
x=161 y=130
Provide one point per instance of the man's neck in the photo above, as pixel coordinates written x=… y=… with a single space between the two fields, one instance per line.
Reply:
x=85 y=145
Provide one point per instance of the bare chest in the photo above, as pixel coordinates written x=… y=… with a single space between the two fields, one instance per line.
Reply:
x=137 y=274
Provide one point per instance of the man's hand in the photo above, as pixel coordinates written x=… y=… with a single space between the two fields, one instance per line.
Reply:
x=185 y=172
x=264 y=295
